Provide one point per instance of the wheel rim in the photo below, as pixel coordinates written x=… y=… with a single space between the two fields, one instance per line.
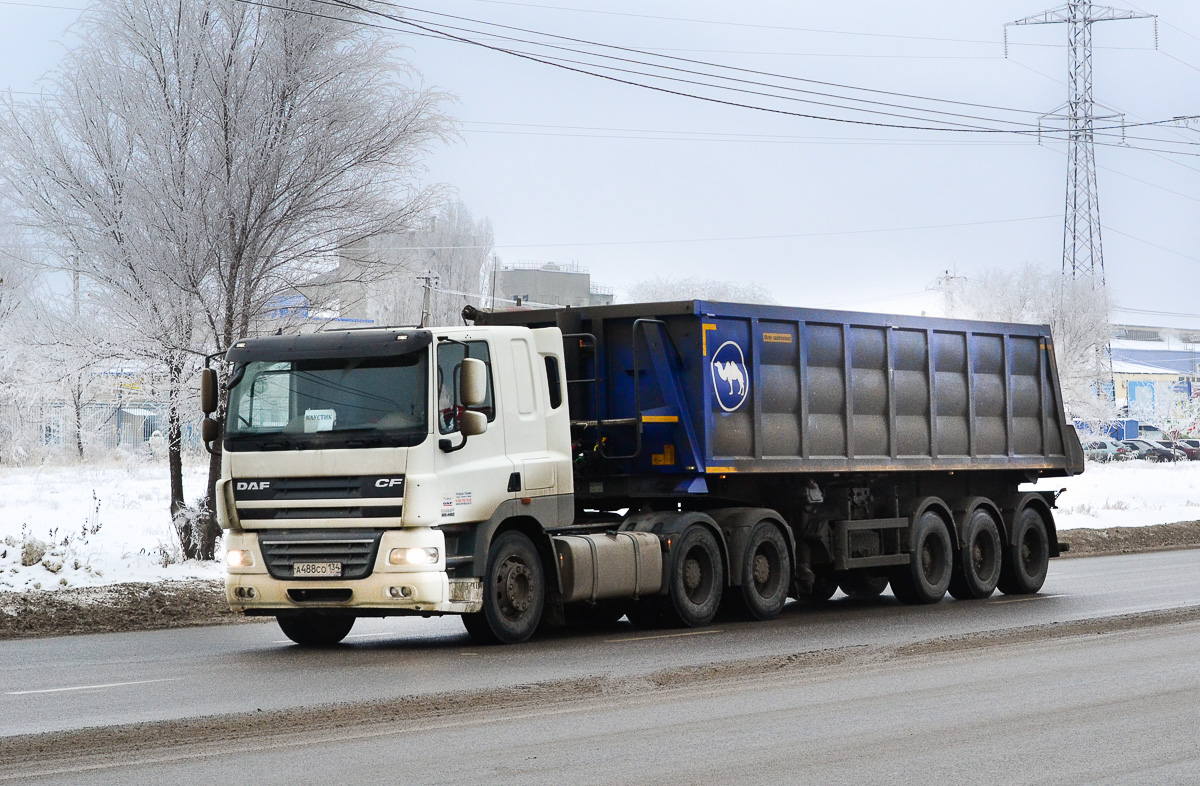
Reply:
x=697 y=575
x=933 y=560
x=514 y=587
x=983 y=557
x=1032 y=552
x=765 y=570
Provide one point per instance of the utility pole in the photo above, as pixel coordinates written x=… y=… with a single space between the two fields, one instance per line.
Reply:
x=431 y=280
x=1083 y=252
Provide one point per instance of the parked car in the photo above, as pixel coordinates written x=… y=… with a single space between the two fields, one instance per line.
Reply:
x=1152 y=451
x=1191 y=443
x=1191 y=452
x=1105 y=449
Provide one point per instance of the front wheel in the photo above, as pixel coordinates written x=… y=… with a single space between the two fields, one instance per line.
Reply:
x=514 y=593
x=310 y=629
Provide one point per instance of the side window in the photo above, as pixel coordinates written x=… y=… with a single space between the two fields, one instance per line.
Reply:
x=553 y=382
x=449 y=373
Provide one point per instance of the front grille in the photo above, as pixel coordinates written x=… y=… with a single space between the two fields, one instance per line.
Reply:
x=355 y=551
x=340 y=487
x=276 y=514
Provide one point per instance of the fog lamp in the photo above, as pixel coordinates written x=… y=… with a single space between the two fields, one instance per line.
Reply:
x=239 y=558
x=414 y=556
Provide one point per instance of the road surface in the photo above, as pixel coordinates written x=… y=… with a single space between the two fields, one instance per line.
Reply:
x=1097 y=677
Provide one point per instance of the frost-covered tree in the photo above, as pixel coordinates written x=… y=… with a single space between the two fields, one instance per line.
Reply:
x=195 y=161
x=451 y=246
x=1079 y=315
x=661 y=289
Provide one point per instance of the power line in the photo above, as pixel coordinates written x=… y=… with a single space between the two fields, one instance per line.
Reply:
x=432 y=29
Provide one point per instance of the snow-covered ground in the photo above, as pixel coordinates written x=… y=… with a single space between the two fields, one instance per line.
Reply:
x=102 y=524
x=1127 y=494
x=99 y=524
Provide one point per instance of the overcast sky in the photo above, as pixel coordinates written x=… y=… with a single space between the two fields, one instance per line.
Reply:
x=630 y=183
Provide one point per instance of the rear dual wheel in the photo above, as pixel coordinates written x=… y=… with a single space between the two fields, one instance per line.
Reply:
x=978 y=564
x=1026 y=560
x=766 y=572
x=926 y=577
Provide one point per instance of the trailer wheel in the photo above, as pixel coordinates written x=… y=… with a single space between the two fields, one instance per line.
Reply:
x=1027 y=558
x=977 y=569
x=863 y=585
x=514 y=593
x=697 y=579
x=766 y=572
x=310 y=629
x=927 y=575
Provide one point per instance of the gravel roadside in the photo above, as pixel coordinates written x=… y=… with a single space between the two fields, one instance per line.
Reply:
x=176 y=604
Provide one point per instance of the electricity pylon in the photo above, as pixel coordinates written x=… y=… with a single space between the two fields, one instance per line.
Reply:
x=1083 y=252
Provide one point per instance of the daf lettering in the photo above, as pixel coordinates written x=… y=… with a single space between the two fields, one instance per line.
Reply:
x=253 y=485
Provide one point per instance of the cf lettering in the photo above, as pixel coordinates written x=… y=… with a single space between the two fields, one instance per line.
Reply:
x=387 y=483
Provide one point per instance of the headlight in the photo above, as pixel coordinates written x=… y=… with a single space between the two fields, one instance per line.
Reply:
x=239 y=558
x=413 y=556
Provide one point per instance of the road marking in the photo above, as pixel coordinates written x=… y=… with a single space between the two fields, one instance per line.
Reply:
x=89 y=687
x=1023 y=600
x=663 y=636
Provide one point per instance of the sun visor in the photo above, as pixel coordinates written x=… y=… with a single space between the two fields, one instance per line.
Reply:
x=332 y=344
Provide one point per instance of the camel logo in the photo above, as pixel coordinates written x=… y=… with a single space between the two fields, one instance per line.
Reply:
x=730 y=380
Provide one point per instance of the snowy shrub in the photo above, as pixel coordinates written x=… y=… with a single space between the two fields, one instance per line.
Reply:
x=32 y=550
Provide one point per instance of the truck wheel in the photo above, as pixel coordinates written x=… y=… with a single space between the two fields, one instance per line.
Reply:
x=514 y=593
x=863 y=585
x=927 y=575
x=977 y=569
x=309 y=629
x=697 y=579
x=766 y=572
x=1027 y=558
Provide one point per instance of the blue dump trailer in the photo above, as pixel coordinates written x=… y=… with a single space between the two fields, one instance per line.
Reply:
x=659 y=461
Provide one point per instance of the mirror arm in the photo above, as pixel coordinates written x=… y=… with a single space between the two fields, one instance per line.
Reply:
x=447 y=447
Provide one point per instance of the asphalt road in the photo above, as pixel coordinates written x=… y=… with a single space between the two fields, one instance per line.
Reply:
x=57 y=684
x=1113 y=709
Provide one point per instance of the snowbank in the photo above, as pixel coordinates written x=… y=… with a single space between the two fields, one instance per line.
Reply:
x=109 y=523
x=92 y=524
x=1127 y=494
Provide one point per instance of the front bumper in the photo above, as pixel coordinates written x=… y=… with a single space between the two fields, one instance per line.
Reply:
x=388 y=590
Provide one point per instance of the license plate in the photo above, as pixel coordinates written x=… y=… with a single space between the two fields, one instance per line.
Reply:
x=317 y=569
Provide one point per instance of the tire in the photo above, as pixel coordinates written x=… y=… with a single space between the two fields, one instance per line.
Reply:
x=311 y=629
x=1027 y=557
x=514 y=593
x=766 y=572
x=696 y=580
x=824 y=585
x=863 y=586
x=926 y=577
x=977 y=566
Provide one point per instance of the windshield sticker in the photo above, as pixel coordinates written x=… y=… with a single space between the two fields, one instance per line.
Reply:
x=731 y=382
x=319 y=420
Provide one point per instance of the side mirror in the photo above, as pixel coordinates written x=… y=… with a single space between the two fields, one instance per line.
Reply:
x=473 y=383
x=209 y=430
x=208 y=391
x=472 y=424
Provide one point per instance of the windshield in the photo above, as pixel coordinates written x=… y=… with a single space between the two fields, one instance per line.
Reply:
x=329 y=403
